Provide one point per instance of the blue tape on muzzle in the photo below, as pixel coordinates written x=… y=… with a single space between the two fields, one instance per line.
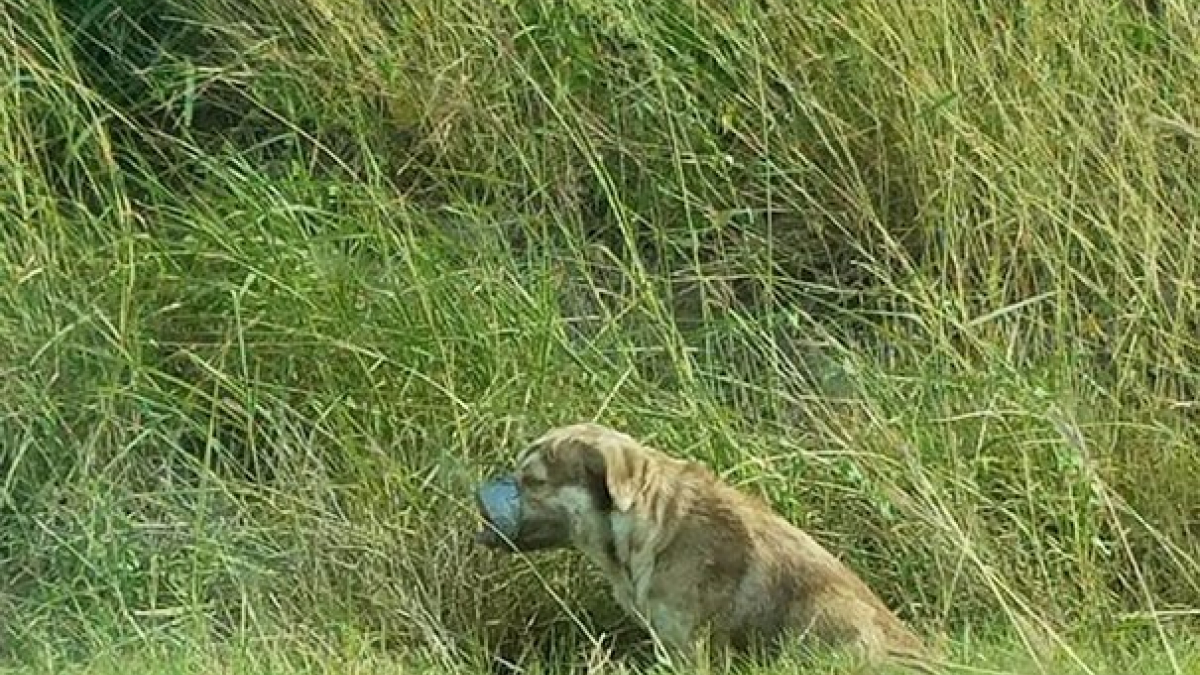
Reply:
x=500 y=504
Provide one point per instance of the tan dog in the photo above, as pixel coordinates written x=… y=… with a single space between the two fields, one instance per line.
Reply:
x=689 y=556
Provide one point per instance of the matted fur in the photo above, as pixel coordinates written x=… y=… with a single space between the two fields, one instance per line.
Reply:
x=692 y=557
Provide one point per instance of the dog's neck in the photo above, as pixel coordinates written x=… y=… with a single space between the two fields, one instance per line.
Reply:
x=625 y=545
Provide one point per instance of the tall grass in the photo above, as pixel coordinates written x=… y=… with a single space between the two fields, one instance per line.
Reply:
x=283 y=280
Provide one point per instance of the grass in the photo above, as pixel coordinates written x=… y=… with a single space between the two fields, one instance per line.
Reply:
x=282 y=280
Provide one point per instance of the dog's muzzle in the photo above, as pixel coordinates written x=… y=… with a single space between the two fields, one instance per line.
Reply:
x=507 y=527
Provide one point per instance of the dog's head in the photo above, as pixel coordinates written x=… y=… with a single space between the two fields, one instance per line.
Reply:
x=563 y=488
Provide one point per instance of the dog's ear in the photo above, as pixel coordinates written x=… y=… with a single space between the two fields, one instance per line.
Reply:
x=622 y=468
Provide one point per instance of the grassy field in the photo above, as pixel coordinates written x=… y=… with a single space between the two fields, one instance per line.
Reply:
x=283 y=279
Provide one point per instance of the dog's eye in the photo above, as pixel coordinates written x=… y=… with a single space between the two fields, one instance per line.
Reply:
x=532 y=482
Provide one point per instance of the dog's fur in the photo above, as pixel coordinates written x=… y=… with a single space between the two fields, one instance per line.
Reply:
x=692 y=557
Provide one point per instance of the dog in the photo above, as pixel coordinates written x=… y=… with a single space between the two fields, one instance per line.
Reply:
x=698 y=562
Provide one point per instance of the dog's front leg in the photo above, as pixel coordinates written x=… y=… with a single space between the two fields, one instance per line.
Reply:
x=623 y=595
x=675 y=635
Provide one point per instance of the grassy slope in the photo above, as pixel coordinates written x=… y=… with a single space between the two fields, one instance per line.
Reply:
x=283 y=279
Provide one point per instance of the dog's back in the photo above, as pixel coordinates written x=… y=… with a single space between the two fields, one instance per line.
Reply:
x=789 y=585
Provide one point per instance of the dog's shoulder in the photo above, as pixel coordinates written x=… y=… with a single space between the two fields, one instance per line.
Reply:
x=710 y=546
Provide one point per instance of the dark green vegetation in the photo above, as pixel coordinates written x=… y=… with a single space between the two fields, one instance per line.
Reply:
x=283 y=278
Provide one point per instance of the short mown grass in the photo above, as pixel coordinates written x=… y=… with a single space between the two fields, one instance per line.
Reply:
x=281 y=281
